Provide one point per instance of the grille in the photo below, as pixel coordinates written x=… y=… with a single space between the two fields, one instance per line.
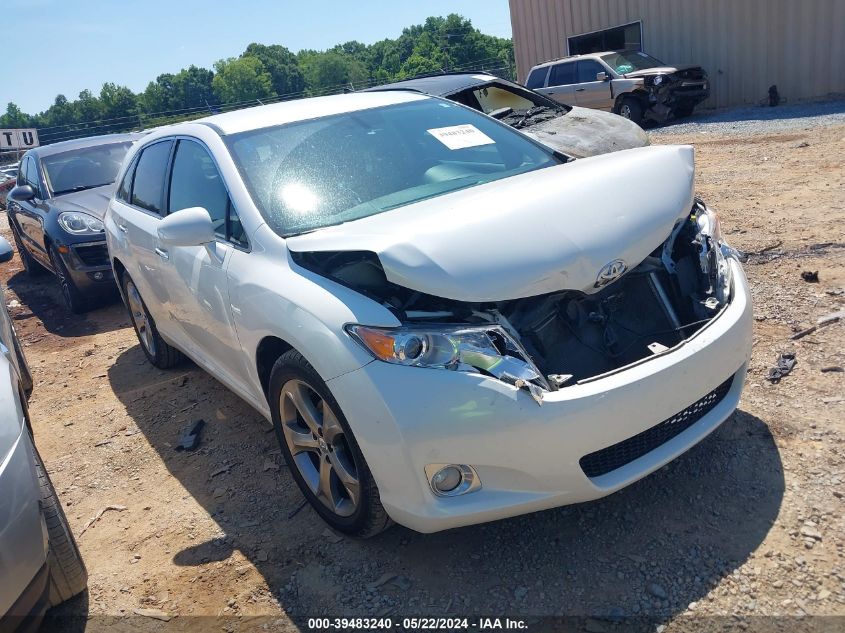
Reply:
x=613 y=457
x=691 y=73
x=93 y=254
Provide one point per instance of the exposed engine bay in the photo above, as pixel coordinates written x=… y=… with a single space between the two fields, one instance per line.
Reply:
x=547 y=342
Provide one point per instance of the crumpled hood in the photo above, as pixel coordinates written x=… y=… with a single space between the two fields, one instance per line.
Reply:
x=91 y=201
x=548 y=230
x=661 y=70
x=584 y=132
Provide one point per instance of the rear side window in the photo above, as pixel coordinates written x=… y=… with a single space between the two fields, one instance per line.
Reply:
x=196 y=182
x=126 y=184
x=24 y=168
x=32 y=178
x=148 y=184
x=588 y=69
x=537 y=77
x=563 y=75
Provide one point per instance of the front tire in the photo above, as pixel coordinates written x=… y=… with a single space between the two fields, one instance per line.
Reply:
x=632 y=109
x=68 y=575
x=73 y=299
x=156 y=349
x=320 y=450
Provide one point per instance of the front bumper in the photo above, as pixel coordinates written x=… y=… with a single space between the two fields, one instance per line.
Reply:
x=528 y=456
x=89 y=266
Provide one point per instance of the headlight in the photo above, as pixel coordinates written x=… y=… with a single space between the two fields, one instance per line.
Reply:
x=489 y=349
x=80 y=223
x=713 y=251
x=657 y=80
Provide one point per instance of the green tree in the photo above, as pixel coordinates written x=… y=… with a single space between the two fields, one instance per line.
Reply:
x=118 y=102
x=60 y=113
x=282 y=66
x=241 y=79
x=88 y=107
x=331 y=71
x=15 y=117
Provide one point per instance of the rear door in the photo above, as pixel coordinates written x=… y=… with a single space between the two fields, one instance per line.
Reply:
x=137 y=211
x=560 y=83
x=589 y=92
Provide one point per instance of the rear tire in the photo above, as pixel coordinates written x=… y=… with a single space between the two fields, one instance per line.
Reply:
x=632 y=109
x=30 y=266
x=350 y=501
x=68 y=575
x=156 y=349
x=73 y=299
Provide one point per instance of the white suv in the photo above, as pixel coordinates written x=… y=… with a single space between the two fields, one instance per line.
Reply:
x=445 y=321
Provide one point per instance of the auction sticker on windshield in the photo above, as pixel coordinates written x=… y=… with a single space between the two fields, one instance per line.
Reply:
x=460 y=136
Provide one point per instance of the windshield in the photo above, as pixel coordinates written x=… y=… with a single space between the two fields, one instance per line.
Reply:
x=84 y=168
x=629 y=61
x=313 y=174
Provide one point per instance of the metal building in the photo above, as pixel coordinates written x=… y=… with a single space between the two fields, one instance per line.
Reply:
x=745 y=45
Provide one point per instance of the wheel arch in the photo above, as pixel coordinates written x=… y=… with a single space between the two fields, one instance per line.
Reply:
x=119 y=270
x=640 y=95
x=269 y=349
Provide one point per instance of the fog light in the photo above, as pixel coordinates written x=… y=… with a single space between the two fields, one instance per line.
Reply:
x=98 y=276
x=447 y=479
x=451 y=480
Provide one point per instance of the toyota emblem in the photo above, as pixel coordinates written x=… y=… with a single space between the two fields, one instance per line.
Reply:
x=610 y=272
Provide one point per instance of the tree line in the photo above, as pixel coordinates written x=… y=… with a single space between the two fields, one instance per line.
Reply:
x=270 y=73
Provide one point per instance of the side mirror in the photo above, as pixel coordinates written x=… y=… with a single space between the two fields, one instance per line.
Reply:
x=188 y=227
x=21 y=193
x=602 y=76
x=6 y=251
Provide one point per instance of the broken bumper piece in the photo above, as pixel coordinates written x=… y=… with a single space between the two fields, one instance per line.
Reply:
x=527 y=457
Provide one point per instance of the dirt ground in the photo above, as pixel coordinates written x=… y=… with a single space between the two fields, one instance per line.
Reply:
x=748 y=523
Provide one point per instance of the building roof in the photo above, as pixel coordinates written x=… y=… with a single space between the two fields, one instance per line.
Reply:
x=82 y=143
x=303 y=110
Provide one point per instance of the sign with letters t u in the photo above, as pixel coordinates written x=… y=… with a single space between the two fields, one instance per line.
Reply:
x=18 y=139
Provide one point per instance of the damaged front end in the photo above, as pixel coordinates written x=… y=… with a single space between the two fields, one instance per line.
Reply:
x=543 y=343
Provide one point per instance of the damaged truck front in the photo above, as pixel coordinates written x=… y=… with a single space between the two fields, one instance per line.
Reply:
x=535 y=293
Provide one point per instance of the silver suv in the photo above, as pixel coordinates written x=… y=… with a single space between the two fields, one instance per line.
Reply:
x=630 y=83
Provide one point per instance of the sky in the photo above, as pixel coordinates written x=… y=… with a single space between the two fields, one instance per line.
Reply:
x=79 y=44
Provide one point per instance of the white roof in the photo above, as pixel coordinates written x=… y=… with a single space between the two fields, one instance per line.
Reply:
x=305 y=109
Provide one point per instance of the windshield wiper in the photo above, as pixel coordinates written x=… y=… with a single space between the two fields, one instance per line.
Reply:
x=79 y=188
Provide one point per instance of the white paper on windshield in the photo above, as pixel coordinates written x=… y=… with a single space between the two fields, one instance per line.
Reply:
x=460 y=136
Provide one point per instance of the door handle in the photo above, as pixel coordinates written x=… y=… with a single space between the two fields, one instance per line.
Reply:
x=580 y=89
x=122 y=228
x=163 y=254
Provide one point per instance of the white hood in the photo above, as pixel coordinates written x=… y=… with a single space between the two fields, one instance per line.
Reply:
x=540 y=232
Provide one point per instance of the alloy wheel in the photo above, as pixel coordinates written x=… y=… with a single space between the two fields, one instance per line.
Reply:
x=140 y=318
x=625 y=111
x=319 y=447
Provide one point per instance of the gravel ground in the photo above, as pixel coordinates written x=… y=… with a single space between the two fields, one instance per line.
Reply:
x=758 y=119
x=743 y=531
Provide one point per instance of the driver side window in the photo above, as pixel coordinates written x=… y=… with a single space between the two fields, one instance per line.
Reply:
x=196 y=182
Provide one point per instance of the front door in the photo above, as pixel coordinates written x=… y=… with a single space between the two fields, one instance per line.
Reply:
x=591 y=93
x=196 y=275
x=28 y=215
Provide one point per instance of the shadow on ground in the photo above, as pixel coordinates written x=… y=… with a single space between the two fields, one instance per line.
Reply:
x=40 y=297
x=649 y=550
